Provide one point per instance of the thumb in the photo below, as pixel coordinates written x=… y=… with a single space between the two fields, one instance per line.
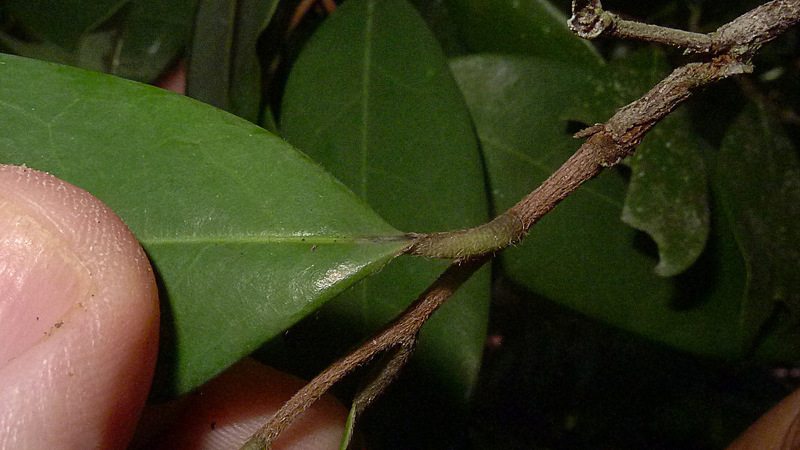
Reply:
x=779 y=428
x=78 y=317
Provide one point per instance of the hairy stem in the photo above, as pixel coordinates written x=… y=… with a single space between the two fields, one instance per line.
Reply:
x=506 y=229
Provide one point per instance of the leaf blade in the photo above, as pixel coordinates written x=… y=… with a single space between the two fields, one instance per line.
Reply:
x=526 y=27
x=229 y=213
x=667 y=192
x=372 y=130
x=758 y=172
x=63 y=24
x=224 y=69
x=580 y=254
x=152 y=35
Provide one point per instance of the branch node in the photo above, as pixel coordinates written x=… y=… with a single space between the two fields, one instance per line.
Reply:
x=505 y=230
x=608 y=150
x=588 y=19
x=588 y=132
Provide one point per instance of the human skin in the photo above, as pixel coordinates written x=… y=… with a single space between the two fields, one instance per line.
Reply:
x=779 y=428
x=79 y=320
x=227 y=410
x=78 y=317
x=78 y=339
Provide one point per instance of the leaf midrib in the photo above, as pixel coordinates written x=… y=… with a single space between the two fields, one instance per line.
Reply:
x=273 y=239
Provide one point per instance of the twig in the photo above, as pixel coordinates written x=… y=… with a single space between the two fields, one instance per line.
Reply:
x=401 y=332
x=727 y=52
x=606 y=146
x=377 y=382
x=589 y=21
x=740 y=37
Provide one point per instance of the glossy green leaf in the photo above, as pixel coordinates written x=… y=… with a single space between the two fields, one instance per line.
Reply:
x=224 y=70
x=394 y=128
x=524 y=27
x=62 y=23
x=759 y=176
x=581 y=254
x=246 y=234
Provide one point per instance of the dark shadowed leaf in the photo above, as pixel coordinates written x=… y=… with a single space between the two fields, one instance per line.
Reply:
x=224 y=70
x=153 y=33
x=372 y=99
x=61 y=23
x=667 y=193
x=246 y=234
x=138 y=41
x=252 y=17
x=758 y=172
x=581 y=254
x=208 y=75
x=523 y=27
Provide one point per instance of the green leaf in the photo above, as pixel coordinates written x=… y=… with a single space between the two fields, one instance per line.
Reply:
x=153 y=33
x=62 y=23
x=525 y=27
x=759 y=176
x=208 y=74
x=349 y=428
x=438 y=18
x=581 y=254
x=667 y=193
x=669 y=203
x=246 y=234
x=224 y=70
x=394 y=128
x=138 y=41
x=253 y=16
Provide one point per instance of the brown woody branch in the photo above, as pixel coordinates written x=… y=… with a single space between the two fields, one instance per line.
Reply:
x=400 y=333
x=742 y=36
x=725 y=52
